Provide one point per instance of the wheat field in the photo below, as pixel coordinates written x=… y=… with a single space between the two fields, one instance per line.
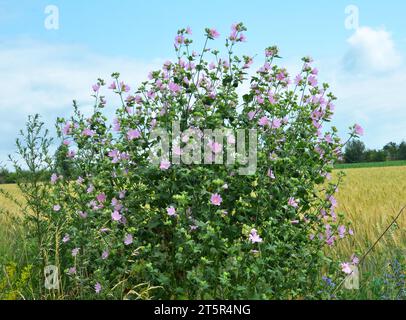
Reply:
x=369 y=198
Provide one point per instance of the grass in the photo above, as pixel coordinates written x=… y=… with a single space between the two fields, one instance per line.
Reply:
x=371 y=164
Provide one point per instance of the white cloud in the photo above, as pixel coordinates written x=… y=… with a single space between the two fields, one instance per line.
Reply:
x=42 y=78
x=371 y=50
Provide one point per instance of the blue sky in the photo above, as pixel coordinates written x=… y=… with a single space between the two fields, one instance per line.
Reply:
x=43 y=70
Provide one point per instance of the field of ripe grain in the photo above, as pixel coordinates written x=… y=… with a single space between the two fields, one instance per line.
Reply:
x=10 y=230
x=370 y=198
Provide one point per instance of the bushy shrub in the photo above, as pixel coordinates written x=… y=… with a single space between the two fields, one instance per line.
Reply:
x=260 y=229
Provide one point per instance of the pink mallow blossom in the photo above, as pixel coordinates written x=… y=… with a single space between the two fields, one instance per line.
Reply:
x=216 y=199
x=133 y=134
x=164 y=165
x=66 y=238
x=214 y=33
x=75 y=252
x=116 y=216
x=128 y=239
x=54 y=178
x=293 y=202
x=254 y=237
x=358 y=130
x=105 y=255
x=97 y=287
x=346 y=268
x=171 y=211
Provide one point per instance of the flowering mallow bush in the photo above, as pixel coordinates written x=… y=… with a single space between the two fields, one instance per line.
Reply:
x=212 y=181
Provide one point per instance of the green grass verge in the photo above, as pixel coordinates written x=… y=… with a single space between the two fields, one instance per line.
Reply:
x=371 y=164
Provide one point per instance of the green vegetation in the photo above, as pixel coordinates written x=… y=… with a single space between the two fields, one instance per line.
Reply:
x=397 y=163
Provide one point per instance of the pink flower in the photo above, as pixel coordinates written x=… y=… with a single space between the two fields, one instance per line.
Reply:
x=75 y=252
x=214 y=33
x=72 y=270
x=242 y=37
x=254 y=237
x=333 y=201
x=82 y=214
x=260 y=100
x=312 y=81
x=354 y=259
x=358 y=130
x=164 y=165
x=177 y=150
x=215 y=147
x=188 y=30
x=346 y=268
x=116 y=216
x=57 y=208
x=294 y=222
x=105 y=255
x=171 y=211
x=175 y=88
x=128 y=239
x=54 y=178
x=231 y=139
x=270 y=174
x=116 y=125
x=96 y=87
x=113 y=86
x=67 y=128
x=293 y=202
x=298 y=78
x=271 y=98
x=133 y=134
x=216 y=199
x=101 y=197
x=264 y=121
x=179 y=39
x=251 y=115
x=66 y=238
x=88 y=133
x=90 y=189
x=97 y=288
x=276 y=123
x=341 y=231
x=124 y=87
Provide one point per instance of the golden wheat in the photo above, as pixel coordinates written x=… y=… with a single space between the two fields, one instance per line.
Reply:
x=370 y=198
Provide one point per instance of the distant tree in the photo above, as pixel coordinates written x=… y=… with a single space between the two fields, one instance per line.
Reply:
x=354 y=151
x=64 y=165
x=402 y=151
x=391 y=150
x=375 y=155
x=3 y=175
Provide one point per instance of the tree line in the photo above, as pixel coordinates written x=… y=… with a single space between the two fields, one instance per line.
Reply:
x=356 y=151
x=64 y=166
